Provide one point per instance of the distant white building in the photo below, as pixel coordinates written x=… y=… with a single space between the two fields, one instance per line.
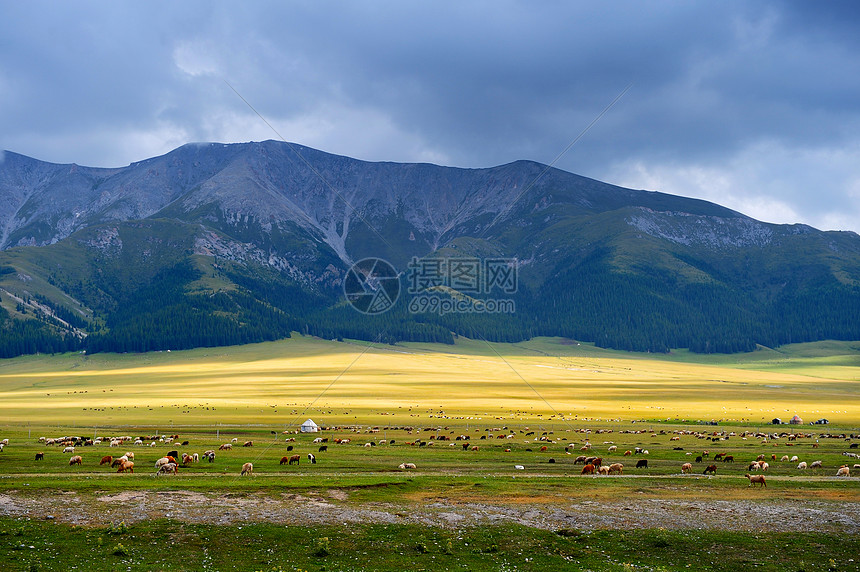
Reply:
x=310 y=427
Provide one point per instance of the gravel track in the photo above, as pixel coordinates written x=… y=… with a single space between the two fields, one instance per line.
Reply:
x=334 y=507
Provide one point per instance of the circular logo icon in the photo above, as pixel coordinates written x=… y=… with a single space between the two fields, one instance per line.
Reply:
x=371 y=286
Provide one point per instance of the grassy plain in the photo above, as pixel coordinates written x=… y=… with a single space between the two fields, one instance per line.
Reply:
x=546 y=392
x=338 y=383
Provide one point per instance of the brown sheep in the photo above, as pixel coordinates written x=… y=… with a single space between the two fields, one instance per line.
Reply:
x=76 y=460
x=284 y=460
x=756 y=479
x=616 y=468
x=247 y=469
x=587 y=470
x=295 y=459
x=126 y=467
x=687 y=468
x=106 y=460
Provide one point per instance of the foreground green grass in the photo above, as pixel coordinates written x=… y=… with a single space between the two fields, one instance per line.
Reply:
x=169 y=545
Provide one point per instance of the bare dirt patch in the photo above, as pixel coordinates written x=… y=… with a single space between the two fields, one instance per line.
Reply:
x=333 y=507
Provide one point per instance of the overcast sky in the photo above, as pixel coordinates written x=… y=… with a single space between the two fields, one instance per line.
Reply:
x=753 y=105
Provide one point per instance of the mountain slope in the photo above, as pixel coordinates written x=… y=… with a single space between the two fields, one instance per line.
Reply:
x=213 y=244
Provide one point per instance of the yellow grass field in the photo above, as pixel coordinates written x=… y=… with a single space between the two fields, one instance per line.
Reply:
x=283 y=383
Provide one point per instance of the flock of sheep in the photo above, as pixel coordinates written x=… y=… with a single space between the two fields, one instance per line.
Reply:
x=171 y=462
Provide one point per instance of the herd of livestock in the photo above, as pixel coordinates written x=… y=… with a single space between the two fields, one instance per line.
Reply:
x=593 y=464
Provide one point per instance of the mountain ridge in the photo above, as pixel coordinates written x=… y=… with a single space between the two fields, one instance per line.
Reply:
x=246 y=221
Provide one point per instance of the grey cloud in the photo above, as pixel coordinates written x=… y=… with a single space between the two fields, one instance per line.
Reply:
x=475 y=84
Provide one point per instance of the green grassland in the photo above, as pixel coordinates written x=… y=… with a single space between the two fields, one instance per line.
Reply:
x=168 y=545
x=547 y=392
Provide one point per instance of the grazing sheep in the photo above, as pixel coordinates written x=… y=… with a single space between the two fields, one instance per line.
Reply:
x=754 y=466
x=76 y=460
x=126 y=467
x=843 y=471
x=784 y=458
x=248 y=444
x=628 y=453
x=711 y=469
x=616 y=468
x=642 y=464
x=40 y=456
x=587 y=470
x=129 y=455
x=284 y=460
x=322 y=448
x=686 y=468
x=794 y=459
x=169 y=468
x=295 y=459
x=756 y=479
x=161 y=462
x=312 y=458
x=613 y=448
x=106 y=460
x=764 y=466
x=225 y=447
x=69 y=450
x=802 y=465
x=247 y=469
x=603 y=470
x=234 y=440
x=815 y=465
x=406 y=466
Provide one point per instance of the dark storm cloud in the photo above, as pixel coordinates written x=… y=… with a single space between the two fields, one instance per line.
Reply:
x=753 y=105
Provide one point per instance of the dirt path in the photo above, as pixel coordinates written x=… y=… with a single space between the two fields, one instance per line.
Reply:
x=334 y=507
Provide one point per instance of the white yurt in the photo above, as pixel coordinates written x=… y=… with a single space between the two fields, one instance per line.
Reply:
x=310 y=427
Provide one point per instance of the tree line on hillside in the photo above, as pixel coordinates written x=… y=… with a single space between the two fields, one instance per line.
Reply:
x=592 y=304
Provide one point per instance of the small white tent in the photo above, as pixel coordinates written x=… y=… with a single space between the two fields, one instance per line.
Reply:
x=310 y=427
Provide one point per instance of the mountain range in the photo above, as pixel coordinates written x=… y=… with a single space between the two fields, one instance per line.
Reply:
x=215 y=244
